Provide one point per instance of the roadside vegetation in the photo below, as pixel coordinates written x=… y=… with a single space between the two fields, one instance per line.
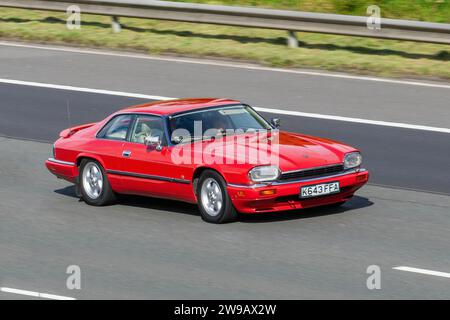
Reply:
x=425 y=10
x=266 y=47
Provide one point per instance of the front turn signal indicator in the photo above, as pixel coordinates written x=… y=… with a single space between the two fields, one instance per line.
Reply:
x=268 y=192
x=363 y=177
x=240 y=194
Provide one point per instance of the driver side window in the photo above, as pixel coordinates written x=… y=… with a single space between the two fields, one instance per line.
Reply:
x=147 y=126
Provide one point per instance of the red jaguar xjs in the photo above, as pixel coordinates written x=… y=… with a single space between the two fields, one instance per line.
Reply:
x=218 y=153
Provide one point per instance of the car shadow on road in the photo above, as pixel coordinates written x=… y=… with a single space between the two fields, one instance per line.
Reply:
x=144 y=202
x=356 y=202
x=159 y=204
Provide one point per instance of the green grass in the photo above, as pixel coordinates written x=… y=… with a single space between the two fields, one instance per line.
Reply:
x=266 y=47
x=426 y=10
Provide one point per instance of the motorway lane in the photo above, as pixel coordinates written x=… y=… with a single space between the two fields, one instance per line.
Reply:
x=396 y=157
x=261 y=88
x=149 y=248
x=145 y=248
x=40 y=114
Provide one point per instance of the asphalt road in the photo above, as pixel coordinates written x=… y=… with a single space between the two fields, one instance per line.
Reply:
x=396 y=157
x=154 y=249
x=318 y=94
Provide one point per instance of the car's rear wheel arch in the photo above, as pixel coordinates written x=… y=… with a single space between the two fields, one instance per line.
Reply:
x=90 y=157
x=98 y=182
x=79 y=160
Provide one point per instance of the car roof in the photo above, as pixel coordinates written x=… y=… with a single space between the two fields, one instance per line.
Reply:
x=169 y=107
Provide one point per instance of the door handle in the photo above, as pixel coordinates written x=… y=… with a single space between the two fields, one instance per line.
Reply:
x=126 y=154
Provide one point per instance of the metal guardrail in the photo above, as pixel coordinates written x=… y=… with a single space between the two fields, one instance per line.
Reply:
x=250 y=17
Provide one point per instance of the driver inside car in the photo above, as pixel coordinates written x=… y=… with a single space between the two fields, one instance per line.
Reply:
x=146 y=128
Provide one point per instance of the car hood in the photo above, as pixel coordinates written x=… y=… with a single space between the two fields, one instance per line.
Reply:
x=299 y=152
x=289 y=151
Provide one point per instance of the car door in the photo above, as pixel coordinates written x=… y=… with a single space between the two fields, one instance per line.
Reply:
x=148 y=170
x=108 y=145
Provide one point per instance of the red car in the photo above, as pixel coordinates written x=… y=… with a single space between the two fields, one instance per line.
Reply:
x=218 y=153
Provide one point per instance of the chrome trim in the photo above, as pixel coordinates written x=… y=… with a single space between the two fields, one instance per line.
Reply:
x=248 y=186
x=351 y=171
x=67 y=163
x=147 y=176
x=277 y=183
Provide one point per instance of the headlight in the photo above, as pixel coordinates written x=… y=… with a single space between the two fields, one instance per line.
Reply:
x=264 y=173
x=352 y=160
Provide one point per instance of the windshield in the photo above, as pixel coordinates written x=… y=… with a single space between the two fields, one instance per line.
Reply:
x=218 y=121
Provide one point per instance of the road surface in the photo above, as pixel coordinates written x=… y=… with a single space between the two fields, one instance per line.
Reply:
x=144 y=248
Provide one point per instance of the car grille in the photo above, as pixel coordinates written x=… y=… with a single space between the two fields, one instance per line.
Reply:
x=312 y=173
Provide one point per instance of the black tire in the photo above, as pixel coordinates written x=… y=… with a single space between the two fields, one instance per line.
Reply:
x=227 y=213
x=106 y=196
x=78 y=189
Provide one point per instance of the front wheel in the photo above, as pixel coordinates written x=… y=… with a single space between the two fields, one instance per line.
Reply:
x=213 y=201
x=94 y=185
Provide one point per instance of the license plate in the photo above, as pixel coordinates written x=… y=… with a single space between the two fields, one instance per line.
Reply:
x=319 y=189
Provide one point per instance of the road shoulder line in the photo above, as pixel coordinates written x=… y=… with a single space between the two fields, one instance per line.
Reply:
x=268 y=110
x=34 y=294
x=423 y=271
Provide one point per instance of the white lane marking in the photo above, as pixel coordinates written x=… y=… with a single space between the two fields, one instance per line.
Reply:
x=35 y=294
x=225 y=64
x=80 y=89
x=269 y=110
x=356 y=120
x=423 y=271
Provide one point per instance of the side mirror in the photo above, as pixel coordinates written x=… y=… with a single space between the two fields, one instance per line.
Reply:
x=275 y=122
x=177 y=139
x=153 y=141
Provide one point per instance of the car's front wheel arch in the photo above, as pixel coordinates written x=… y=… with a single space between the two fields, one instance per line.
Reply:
x=197 y=174
x=213 y=200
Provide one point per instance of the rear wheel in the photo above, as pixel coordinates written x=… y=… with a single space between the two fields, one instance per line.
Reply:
x=94 y=185
x=213 y=201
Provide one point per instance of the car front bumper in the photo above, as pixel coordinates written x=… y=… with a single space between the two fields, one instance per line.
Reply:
x=249 y=199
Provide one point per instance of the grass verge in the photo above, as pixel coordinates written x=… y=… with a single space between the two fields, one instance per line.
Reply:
x=267 y=47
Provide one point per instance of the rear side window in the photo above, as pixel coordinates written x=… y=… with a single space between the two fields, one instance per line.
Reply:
x=117 y=128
